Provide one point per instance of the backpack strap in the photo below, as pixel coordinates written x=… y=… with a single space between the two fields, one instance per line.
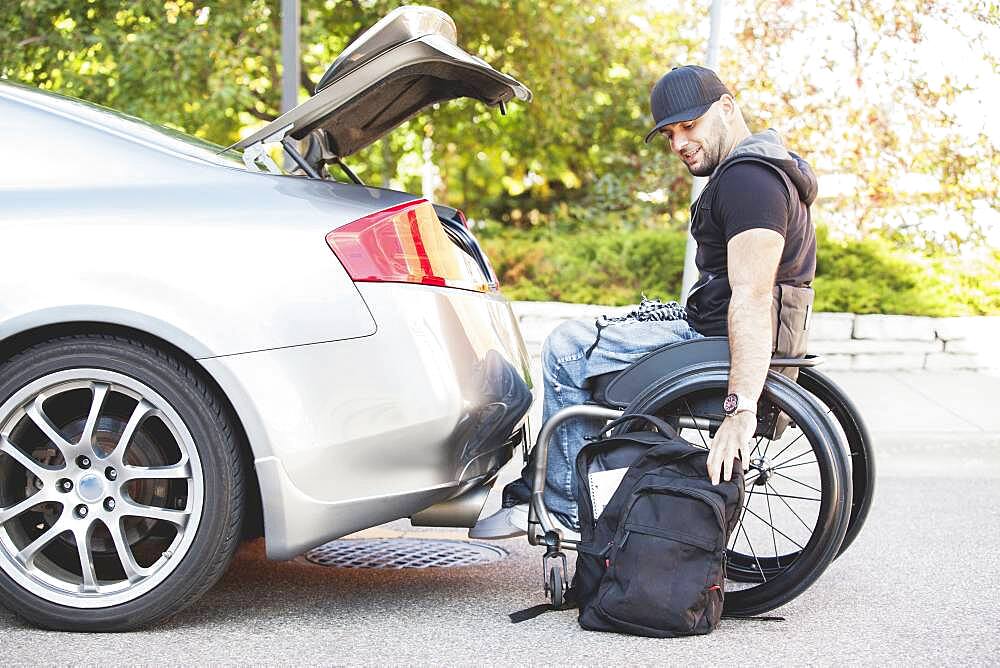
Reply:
x=754 y=618
x=571 y=602
x=530 y=613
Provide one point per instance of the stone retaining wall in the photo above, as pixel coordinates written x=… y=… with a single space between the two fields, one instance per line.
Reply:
x=846 y=340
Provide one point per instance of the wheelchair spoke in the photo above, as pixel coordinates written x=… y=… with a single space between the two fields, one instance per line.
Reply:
x=760 y=569
x=768 y=485
x=791 y=459
x=743 y=514
x=756 y=446
x=788 y=496
x=739 y=527
x=774 y=538
x=774 y=528
x=790 y=445
x=799 y=482
x=791 y=466
x=691 y=415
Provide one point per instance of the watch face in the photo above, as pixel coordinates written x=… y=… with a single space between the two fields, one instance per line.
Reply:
x=730 y=403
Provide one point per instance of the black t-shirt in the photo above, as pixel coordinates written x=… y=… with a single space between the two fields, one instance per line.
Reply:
x=748 y=195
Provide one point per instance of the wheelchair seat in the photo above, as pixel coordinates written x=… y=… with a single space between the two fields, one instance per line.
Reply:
x=617 y=389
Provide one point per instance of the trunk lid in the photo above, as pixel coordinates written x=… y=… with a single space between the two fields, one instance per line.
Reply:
x=407 y=61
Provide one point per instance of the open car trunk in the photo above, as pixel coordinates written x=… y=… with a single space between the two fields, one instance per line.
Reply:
x=402 y=64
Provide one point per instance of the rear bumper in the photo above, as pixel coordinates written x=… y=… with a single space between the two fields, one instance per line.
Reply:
x=351 y=434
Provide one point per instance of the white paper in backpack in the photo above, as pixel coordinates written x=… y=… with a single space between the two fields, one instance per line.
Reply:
x=602 y=487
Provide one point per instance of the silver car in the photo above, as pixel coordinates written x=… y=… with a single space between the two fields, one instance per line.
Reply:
x=196 y=347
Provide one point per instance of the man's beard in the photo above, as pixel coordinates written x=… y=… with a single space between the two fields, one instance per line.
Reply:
x=712 y=153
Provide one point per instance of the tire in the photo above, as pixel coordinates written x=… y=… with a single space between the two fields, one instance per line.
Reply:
x=556 y=590
x=135 y=469
x=757 y=583
x=859 y=442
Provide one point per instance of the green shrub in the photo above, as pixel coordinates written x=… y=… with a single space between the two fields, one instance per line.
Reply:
x=871 y=276
x=615 y=267
x=607 y=267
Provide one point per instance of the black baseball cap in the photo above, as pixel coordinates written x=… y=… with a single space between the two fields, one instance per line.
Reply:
x=683 y=94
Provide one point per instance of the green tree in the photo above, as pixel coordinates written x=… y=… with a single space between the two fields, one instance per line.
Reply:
x=205 y=69
x=211 y=68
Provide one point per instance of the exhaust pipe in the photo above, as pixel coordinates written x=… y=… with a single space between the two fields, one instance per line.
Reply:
x=460 y=511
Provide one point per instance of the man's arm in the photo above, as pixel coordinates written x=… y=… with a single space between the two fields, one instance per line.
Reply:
x=753 y=258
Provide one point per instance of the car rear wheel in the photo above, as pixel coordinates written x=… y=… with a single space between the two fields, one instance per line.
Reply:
x=121 y=484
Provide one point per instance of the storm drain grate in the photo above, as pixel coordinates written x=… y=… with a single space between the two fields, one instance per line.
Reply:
x=403 y=553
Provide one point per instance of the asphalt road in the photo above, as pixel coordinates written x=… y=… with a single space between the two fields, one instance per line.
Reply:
x=919 y=586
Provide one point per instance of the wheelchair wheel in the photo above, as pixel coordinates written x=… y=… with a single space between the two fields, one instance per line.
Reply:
x=556 y=588
x=798 y=487
x=859 y=442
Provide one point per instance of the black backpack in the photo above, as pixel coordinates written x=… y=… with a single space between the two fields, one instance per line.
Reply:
x=653 y=562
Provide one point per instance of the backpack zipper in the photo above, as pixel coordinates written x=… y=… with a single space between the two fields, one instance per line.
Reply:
x=707 y=498
x=712 y=502
x=674 y=535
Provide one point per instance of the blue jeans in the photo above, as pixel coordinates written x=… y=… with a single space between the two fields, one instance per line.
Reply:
x=566 y=367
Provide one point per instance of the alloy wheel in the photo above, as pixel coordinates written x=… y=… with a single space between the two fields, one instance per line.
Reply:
x=101 y=488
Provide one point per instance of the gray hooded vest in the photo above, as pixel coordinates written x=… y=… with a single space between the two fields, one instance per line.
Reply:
x=708 y=301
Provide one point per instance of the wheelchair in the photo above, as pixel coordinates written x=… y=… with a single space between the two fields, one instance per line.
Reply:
x=809 y=482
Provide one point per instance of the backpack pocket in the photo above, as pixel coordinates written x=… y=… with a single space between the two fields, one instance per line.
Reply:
x=663 y=569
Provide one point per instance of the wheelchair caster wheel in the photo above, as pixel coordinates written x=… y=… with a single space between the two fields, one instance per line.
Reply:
x=555 y=586
x=556 y=576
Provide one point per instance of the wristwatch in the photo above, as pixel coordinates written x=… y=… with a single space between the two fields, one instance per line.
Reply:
x=738 y=403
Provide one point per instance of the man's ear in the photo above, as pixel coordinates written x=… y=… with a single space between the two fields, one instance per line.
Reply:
x=728 y=105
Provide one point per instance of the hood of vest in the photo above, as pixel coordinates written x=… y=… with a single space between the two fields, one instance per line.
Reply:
x=768 y=146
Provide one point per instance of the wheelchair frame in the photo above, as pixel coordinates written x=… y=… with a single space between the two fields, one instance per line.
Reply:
x=617 y=392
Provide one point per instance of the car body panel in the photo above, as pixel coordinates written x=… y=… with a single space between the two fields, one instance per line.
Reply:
x=403 y=64
x=419 y=408
x=73 y=144
x=233 y=260
x=143 y=263
x=295 y=522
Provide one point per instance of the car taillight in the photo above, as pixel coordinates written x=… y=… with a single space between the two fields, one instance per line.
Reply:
x=404 y=244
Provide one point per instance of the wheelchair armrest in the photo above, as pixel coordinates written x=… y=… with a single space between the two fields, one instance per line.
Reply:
x=806 y=360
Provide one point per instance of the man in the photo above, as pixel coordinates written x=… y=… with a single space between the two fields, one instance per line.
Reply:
x=753 y=230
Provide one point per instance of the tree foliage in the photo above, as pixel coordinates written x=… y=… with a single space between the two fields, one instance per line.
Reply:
x=206 y=70
x=848 y=82
x=213 y=68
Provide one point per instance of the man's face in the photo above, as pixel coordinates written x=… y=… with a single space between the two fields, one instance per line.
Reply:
x=700 y=143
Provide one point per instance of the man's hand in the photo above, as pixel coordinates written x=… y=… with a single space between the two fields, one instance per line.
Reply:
x=731 y=439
